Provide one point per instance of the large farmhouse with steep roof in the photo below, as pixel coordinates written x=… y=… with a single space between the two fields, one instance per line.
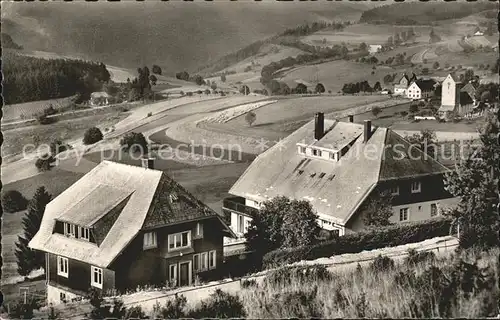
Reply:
x=123 y=226
x=337 y=166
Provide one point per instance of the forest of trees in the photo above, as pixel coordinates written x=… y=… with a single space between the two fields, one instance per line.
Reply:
x=8 y=42
x=30 y=79
x=351 y=88
x=306 y=29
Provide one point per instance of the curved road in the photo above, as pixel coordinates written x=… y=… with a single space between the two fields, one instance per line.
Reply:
x=24 y=168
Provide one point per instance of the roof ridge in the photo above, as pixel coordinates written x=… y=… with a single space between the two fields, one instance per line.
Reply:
x=387 y=131
x=114 y=205
x=128 y=165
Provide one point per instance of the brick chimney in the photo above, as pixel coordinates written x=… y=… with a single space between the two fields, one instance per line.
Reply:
x=368 y=130
x=148 y=163
x=351 y=118
x=319 y=125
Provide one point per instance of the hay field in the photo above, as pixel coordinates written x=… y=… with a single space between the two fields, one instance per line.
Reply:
x=297 y=108
x=371 y=34
x=333 y=75
x=28 y=109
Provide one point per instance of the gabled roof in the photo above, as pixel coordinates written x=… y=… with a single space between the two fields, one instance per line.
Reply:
x=133 y=190
x=405 y=162
x=454 y=78
x=94 y=205
x=334 y=188
x=425 y=85
x=405 y=76
x=470 y=88
x=413 y=77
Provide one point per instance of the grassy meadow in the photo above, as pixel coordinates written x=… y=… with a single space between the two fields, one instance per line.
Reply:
x=304 y=107
x=64 y=130
x=424 y=287
x=26 y=110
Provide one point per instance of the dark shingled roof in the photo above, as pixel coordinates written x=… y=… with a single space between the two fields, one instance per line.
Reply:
x=172 y=204
x=138 y=198
x=402 y=162
x=425 y=85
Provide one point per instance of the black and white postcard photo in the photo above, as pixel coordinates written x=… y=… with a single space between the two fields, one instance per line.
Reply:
x=250 y=159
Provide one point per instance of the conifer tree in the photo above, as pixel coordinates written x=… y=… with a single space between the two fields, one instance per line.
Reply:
x=474 y=181
x=28 y=259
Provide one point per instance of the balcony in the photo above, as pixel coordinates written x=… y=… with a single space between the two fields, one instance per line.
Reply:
x=237 y=204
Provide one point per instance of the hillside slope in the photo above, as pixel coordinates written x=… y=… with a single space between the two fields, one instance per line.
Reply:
x=174 y=35
x=414 y=13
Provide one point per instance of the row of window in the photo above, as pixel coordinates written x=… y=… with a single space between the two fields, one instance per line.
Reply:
x=204 y=261
x=95 y=272
x=319 y=153
x=74 y=231
x=201 y=262
x=416 y=187
x=176 y=241
x=404 y=213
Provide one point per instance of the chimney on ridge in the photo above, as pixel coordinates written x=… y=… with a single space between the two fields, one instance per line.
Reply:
x=368 y=130
x=148 y=163
x=351 y=118
x=319 y=125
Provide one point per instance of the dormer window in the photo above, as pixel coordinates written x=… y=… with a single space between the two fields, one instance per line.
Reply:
x=416 y=187
x=69 y=230
x=84 y=233
x=316 y=152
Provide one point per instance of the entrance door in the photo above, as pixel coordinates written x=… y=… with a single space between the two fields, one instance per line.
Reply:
x=185 y=273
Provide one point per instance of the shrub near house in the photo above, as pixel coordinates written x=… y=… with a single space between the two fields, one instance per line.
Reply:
x=366 y=240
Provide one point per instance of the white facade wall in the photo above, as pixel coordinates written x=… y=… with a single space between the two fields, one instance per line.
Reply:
x=252 y=203
x=399 y=91
x=414 y=92
x=421 y=210
x=239 y=223
x=449 y=94
x=321 y=153
x=54 y=295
